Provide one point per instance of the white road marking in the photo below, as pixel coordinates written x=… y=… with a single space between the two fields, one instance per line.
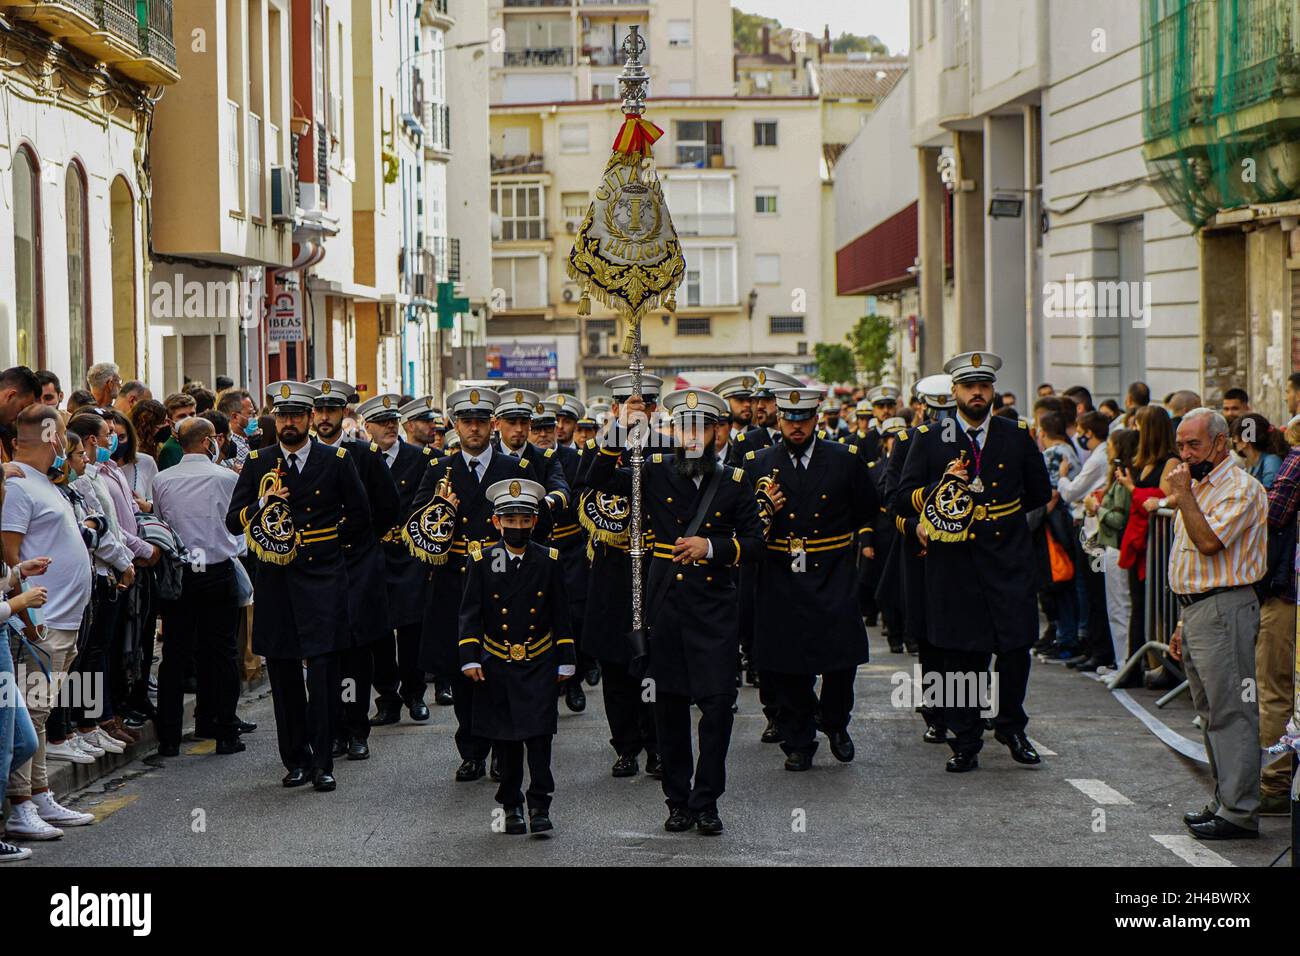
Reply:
x=1101 y=792
x=1191 y=850
x=1044 y=751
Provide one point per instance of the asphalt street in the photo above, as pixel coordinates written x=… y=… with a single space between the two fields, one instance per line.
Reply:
x=1108 y=793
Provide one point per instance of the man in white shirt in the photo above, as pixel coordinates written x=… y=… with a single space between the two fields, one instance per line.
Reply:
x=39 y=522
x=193 y=497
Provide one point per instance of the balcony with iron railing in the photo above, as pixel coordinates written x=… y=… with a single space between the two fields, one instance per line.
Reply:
x=538 y=56
x=608 y=56
x=695 y=155
x=132 y=36
x=509 y=165
x=527 y=4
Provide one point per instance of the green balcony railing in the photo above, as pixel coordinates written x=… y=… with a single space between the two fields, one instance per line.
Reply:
x=155 y=23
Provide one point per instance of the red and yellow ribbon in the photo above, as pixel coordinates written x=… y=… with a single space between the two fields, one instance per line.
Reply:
x=636 y=136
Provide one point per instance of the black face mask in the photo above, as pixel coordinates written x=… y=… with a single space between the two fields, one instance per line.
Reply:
x=162 y=434
x=516 y=537
x=1200 y=469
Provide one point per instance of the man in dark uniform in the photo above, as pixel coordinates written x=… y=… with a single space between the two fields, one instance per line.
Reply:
x=690 y=594
x=421 y=420
x=738 y=391
x=516 y=643
x=902 y=580
x=457 y=517
x=290 y=501
x=978 y=555
x=764 y=431
x=862 y=429
x=834 y=428
x=871 y=565
x=398 y=677
x=806 y=619
x=608 y=613
x=367 y=570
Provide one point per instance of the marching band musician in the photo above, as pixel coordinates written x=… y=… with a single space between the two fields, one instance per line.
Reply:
x=821 y=503
x=367 y=568
x=705 y=521
x=398 y=677
x=970 y=480
x=289 y=502
x=607 y=617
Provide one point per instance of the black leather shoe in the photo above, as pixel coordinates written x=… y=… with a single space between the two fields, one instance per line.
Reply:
x=494 y=769
x=574 y=698
x=1221 y=829
x=709 y=823
x=231 y=745
x=442 y=697
x=1022 y=751
x=679 y=820
x=593 y=676
x=539 y=821
x=419 y=710
x=934 y=734
x=988 y=723
x=244 y=726
x=358 y=749
x=1077 y=659
x=385 y=713
x=1203 y=815
x=770 y=733
x=654 y=766
x=515 y=823
x=751 y=677
x=169 y=750
x=798 y=762
x=1091 y=665
x=962 y=763
x=323 y=781
x=625 y=767
x=469 y=770
x=841 y=745
x=896 y=647
x=296 y=777
x=340 y=747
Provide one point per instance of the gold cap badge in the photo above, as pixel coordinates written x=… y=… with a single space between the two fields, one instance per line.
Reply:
x=975 y=360
x=388 y=402
x=691 y=400
x=794 y=397
x=284 y=391
x=325 y=387
x=519 y=397
x=514 y=489
x=560 y=401
x=762 y=377
x=473 y=395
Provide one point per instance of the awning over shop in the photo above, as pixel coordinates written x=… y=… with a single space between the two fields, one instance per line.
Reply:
x=878 y=260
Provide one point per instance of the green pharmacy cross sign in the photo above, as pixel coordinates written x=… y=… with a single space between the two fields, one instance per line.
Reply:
x=448 y=306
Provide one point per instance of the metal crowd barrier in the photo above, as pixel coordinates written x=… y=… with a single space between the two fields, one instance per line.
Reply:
x=1161 y=612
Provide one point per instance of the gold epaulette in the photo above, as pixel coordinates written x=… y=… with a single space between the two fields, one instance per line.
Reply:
x=904 y=436
x=737 y=474
x=740 y=437
x=428 y=449
x=657 y=458
x=253 y=454
x=475 y=550
x=873 y=464
x=342 y=452
x=374 y=446
x=1022 y=423
x=548 y=453
x=853 y=450
x=923 y=429
x=749 y=455
x=555 y=553
x=591 y=443
x=523 y=462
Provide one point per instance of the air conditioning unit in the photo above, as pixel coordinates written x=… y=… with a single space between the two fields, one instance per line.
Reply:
x=570 y=293
x=336 y=115
x=571 y=226
x=309 y=196
x=283 y=200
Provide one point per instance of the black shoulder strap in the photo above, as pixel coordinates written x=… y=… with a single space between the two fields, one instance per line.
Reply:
x=692 y=529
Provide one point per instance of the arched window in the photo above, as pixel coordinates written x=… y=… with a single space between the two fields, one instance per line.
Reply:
x=79 y=330
x=27 y=259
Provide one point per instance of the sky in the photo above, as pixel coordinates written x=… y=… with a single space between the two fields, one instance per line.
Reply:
x=887 y=19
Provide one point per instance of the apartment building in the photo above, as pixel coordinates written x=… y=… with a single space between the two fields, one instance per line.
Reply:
x=567 y=50
x=739 y=176
x=1041 y=235
x=78 y=77
x=220 y=153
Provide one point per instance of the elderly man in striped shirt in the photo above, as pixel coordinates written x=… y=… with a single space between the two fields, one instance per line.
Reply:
x=1219 y=552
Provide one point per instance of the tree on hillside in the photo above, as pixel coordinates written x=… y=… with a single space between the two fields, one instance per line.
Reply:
x=747 y=30
x=852 y=43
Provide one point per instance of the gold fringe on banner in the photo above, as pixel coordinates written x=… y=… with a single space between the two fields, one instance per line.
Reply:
x=949 y=511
